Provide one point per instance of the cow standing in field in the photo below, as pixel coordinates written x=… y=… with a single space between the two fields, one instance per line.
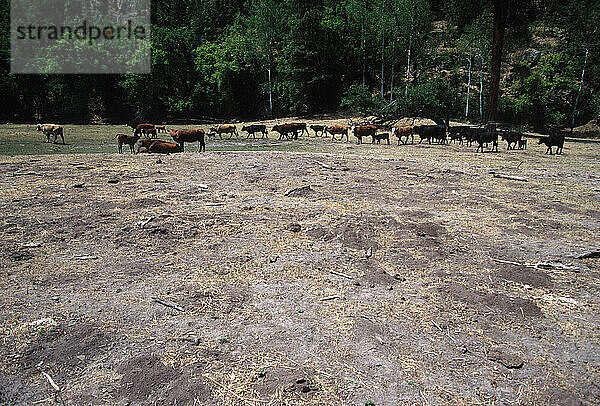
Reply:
x=470 y=134
x=318 y=129
x=401 y=132
x=381 y=137
x=363 y=131
x=257 y=128
x=161 y=129
x=555 y=140
x=130 y=140
x=522 y=145
x=141 y=129
x=338 y=130
x=485 y=138
x=150 y=133
x=183 y=136
x=429 y=132
x=52 y=129
x=285 y=130
x=302 y=128
x=456 y=133
x=221 y=129
x=512 y=138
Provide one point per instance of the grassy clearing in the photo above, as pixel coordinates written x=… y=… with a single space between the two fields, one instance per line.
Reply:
x=95 y=139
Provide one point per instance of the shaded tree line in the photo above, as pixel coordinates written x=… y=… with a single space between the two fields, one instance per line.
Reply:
x=528 y=62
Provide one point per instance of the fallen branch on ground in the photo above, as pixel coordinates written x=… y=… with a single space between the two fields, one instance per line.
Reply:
x=325 y=299
x=324 y=165
x=341 y=274
x=168 y=304
x=26 y=173
x=51 y=381
x=294 y=191
x=540 y=266
x=84 y=257
x=517 y=178
x=144 y=223
x=593 y=254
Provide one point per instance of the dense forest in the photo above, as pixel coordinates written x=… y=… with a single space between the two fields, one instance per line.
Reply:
x=254 y=59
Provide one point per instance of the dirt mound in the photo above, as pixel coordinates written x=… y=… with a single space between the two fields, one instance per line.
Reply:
x=13 y=391
x=497 y=301
x=591 y=129
x=66 y=347
x=357 y=232
x=147 y=380
x=524 y=275
x=427 y=229
x=143 y=203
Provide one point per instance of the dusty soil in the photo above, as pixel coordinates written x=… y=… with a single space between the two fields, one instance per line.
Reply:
x=194 y=280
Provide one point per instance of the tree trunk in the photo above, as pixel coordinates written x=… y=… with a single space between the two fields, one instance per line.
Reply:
x=587 y=52
x=500 y=16
x=393 y=63
x=270 y=87
x=382 y=63
x=408 y=66
x=468 y=88
x=362 y=53
x=481 y=90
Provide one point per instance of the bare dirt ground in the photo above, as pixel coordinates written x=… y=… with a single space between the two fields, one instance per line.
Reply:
x=197 y=279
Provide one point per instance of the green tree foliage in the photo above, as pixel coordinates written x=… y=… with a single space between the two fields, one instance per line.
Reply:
x=430 y=99
x=537 y=97
x=259 y=58
x=358 y=99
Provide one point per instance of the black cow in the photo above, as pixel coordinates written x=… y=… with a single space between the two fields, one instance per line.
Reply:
x=381 y=137
x=522 y=144
x=470 y=134
x=487 y=137
x=318 y=129
x=456 y=133
x=555 y=140
x=512 y=137
x=257 y=128
x=429 y=132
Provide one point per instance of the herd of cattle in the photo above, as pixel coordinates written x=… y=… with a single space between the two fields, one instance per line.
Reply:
x=441 y=133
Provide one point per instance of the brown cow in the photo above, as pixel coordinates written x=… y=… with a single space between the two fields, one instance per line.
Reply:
x=285 y=130
x=145 y=144
x=127 y=139
x=183 y=136
x=161 y=129
x=338 y=130
x=52 y=129
x=363 y=131
x=150 y=133
x=301 y=127
x=163 y=147
x=141 y=128
x=221 y=129
x=402 y=132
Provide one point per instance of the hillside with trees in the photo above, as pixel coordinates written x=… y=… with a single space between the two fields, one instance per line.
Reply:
x=532 y=63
